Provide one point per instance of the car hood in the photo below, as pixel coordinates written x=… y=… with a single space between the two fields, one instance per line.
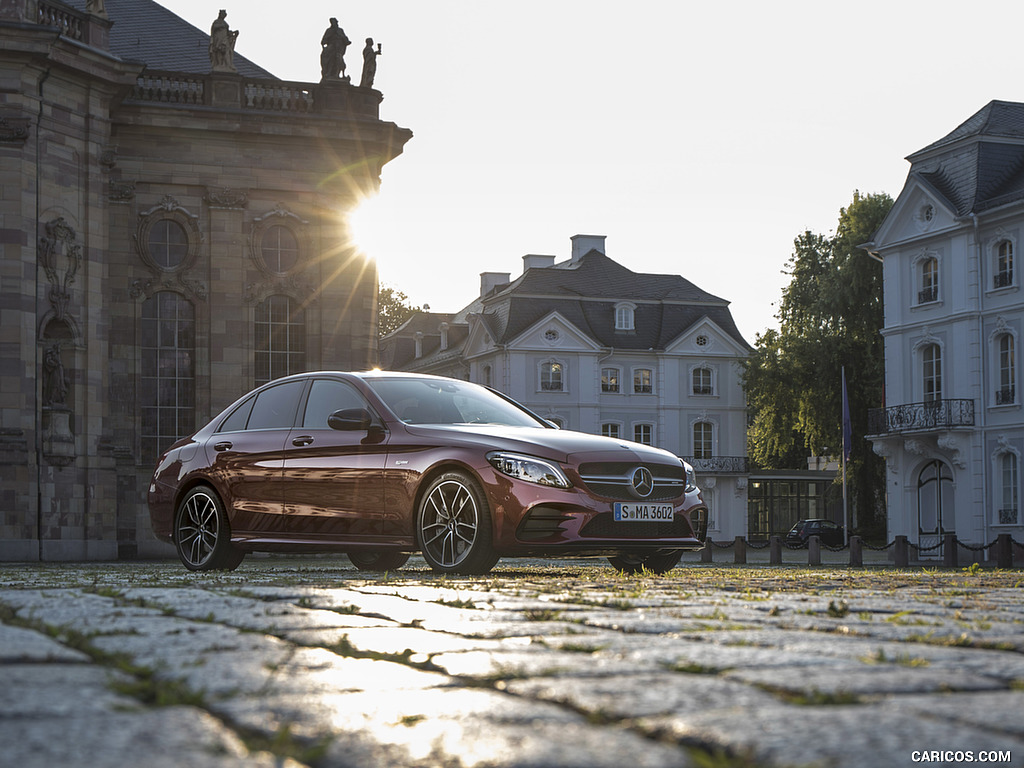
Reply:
x=557 y=444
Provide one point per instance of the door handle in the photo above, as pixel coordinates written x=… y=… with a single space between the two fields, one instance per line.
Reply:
x=303 y=440
x=222 y=446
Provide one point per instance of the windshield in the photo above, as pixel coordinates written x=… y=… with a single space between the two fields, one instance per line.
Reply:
x=445 y=401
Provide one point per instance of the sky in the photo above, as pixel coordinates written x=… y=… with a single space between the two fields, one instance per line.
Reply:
x=701 y=138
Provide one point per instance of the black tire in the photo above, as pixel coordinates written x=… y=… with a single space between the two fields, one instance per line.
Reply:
x=202 y=535
x=378 y=560
x=658 y=562
x=453 y=526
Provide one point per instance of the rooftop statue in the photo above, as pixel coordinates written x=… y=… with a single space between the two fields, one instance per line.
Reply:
x=222 y=45
x=334 y=43
x=369 y=63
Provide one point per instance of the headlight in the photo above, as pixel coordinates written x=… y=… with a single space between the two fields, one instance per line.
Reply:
x=691 y=478
x=528 y=468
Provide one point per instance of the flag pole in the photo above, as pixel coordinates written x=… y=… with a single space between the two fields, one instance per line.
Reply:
x=847 y=439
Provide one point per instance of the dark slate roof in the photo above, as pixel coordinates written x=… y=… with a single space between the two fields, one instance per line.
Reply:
x=1003 y=119
x=586 y=295
x=146 y=32
x=984 y=165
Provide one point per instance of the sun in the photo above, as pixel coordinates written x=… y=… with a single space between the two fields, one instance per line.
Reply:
x=368 y=224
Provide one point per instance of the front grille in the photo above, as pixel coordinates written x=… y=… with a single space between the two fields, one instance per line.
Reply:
x=612 y=480
x=603 y=526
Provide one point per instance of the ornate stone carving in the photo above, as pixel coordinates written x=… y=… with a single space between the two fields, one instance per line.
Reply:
x=949 y=443
x=193 y=289
x=59 y=239
x=225 y=197
x=120 y=191
x=14 y=129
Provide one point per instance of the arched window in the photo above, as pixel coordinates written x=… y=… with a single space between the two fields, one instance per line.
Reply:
x=643 y=381
x=167 y=341
x=611 y=429
x=931 y=357
x=1007 y=392
x=703 y=434
x=702 y=381
x=1004 y=265
x=1008 y=504
x=643 y=433
x=609 y=379
x=280 y=339
x=551 y=376
x=929 y=281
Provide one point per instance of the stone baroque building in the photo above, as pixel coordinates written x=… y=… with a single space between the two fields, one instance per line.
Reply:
x=952 y=429
x=594 y=347
x=173 y=233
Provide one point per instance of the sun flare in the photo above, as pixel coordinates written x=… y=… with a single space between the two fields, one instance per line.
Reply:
x=368 y=226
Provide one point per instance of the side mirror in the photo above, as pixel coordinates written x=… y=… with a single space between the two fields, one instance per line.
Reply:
x=351 y=420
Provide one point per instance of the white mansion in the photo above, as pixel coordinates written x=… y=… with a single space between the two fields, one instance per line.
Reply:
x=594 y=347
x=952 y=429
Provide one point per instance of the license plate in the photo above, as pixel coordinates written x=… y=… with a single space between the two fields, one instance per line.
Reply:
x=643 y=513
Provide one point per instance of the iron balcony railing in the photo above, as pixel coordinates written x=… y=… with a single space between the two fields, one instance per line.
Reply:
x=917 y=417
x=713 y=465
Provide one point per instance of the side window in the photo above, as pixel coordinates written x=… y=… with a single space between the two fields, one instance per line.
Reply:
x=325 y=397
x=275 y=407
x=239 y=417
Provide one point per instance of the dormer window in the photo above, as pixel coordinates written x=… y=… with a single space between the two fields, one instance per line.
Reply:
x=624 y=316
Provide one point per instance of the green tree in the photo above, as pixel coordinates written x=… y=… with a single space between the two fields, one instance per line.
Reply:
x=830 y=317
x=393 y=309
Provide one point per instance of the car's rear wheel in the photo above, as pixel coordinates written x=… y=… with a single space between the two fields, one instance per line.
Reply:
x=379 y=560
x=658 y=562
x=202 y=534
x=453 y=526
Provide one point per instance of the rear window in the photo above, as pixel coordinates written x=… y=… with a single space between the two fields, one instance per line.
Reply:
x=275 y=407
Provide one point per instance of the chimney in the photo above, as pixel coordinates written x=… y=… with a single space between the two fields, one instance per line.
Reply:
x=584 y=244
x=491 y=280
x=444 y=336
x=418 y=336
x=536 y=261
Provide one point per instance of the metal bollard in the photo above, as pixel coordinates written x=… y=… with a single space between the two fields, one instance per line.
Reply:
x=814 y=550
x=856 y=551
x=707 y=554
x=949 y=553
x=740 y=550
x=902 y=552
x=1004 y=551
x=775 y=550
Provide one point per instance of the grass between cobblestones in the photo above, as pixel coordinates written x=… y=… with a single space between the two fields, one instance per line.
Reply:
x=568 y=586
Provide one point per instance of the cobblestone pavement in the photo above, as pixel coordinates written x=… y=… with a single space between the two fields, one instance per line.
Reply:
x=305 y=661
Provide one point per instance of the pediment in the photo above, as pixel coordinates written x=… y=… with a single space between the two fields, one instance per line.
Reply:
x=919 y=212
x=554 y=332
x=707 y=339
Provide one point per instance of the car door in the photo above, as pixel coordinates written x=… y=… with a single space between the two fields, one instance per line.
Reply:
x=334 y=478
x=246 y=455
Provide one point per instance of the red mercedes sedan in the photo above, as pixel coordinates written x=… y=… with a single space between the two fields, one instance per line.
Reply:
x=379 y=465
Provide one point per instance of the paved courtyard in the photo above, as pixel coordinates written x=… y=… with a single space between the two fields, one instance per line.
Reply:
x=308 y=662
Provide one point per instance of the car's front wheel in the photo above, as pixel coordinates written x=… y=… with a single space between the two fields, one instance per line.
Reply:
x=378 y=560
x=453 y=526
x=658 y=562
x=202 y=534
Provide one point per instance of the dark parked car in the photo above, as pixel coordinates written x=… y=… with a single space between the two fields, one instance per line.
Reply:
x=830 y=533
x=379 y=465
